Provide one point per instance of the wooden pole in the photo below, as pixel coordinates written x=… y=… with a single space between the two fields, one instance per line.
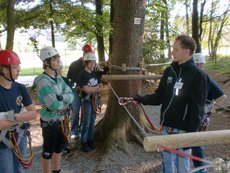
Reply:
x=152 y=143
x=130 y=77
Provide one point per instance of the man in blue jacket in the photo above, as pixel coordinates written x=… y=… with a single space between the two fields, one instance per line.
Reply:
x=181 y=93
x=215 y=96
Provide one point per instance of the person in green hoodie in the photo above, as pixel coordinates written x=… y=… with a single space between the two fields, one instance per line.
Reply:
x=54 y=95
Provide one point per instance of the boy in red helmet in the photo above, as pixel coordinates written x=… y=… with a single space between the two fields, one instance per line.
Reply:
x=73 y=74
x=16 y=108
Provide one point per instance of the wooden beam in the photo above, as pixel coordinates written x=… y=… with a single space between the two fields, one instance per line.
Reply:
x=152 y=143
x=130 y=77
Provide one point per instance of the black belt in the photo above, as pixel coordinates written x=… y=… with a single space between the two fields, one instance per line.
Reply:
x=49 y=123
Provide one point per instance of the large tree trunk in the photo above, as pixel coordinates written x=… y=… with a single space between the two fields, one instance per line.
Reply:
x=111 y=24
x=10 y=24
x=187 y=15
x=195 y=25
x=116 y=127
x=99 y=35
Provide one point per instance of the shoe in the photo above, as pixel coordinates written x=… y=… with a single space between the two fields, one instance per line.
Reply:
x=85 y=147
x=74 y=137
x=91 y=144
x=66 y=150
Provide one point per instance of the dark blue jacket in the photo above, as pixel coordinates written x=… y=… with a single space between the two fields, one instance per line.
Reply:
x=183 y=110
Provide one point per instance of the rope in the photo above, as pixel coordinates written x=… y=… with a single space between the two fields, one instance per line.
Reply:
x=127 y=100
x=226 y=108
x=96 y=104
x=186 y=155
x=26 y=163
x=201 y=168
x=65 y=128
x=140 y=128
x=65 y=123
x=151 y=124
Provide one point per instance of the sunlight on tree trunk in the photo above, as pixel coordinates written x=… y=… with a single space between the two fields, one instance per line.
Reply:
x=116 y=127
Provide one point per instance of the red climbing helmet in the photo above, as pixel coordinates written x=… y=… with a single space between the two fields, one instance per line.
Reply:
x=9 y=57
x=88 y=48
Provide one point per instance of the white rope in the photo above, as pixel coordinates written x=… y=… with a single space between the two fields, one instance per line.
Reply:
x=140 y=128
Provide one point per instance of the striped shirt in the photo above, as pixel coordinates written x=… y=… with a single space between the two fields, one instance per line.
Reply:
x=47 y=90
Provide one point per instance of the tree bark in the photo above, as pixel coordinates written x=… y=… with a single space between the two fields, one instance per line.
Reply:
x=195 y=25
x=10 y=24
x=111 y=24
x=99 y=35
x=187 y=15
x=116 y=127
x=52 y=23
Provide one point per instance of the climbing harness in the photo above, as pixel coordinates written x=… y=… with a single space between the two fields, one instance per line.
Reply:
x=96 y=103
x=64 y=122
x=12 y=137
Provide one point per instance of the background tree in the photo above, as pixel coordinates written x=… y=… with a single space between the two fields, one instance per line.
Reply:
x=216 y=25
x=128 y=39
x=10 y=24
x=99 y=28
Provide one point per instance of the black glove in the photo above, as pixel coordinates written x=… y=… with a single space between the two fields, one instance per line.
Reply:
x=59 y=97
x=138 y=98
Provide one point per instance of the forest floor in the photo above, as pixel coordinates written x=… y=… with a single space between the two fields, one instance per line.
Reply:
x=136 y=160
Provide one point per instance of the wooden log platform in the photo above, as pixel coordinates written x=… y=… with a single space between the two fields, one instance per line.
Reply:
x=130 y=77
x=153 y=143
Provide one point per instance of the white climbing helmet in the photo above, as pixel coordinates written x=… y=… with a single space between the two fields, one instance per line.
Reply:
x=199 y=58
x=90 y=57
x=48 y=52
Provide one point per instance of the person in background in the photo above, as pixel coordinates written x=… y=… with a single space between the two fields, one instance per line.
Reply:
x=71 y=85
x=90 y=88
x=215 y=96
x=73 y=74
x=55 y=96
x=182 y=93
x=16 y=109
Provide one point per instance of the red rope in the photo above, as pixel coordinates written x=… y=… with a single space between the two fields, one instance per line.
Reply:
x=147 y=118
x=186 y=155
x=126 y=100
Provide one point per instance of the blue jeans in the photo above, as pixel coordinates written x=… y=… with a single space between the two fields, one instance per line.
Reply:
x=89 y=117
x=9 y=161
x=198 y=152
x=171 y=160
x=75 y=125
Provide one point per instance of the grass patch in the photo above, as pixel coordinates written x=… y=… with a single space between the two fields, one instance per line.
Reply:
x=37 y=71
x=222 y=65
x=31 y=71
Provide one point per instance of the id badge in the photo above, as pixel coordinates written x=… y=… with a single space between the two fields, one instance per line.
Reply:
x=178 y=85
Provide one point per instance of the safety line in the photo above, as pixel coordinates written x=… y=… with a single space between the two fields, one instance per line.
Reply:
x=186 y=155
x=209 y=163
x=201 y=168
x=140 y=128
x=226 y=108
